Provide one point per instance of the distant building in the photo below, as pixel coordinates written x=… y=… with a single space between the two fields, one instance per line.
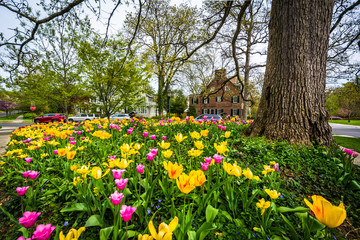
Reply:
x=148 y=109
x=225 y=102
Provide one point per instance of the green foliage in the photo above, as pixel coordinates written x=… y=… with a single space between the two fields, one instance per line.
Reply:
x=178 y=102
x=192 y=111
x=348 y=142
x=117 y=80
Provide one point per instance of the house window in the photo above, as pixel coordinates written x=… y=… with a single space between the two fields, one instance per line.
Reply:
x=227 y=88
x=219 y=111
x=194 y=101
x=206 y=100
x=205 y=111
x=218 y=99
x=235 y=112
x=212 y=111
x=235 y=99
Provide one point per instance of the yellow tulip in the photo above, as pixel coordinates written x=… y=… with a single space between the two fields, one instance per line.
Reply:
x=145 y=237
x=62 y=151
x=185 y=183
x=70 y=155
x=164 y=145
x=267 y=169
x=263 y=205
x=167 y=153
x=174 y=170
x=199 y=145
x=326 y=213
x=179 y=137
x=123 y=163
x=165 y=231
x=73 y=167
x=76 y=180
x=194 y=152
x=137 y=146
x=84 y=170
x=236 y=170
x=272 y=163
x=221 y=148
x=125 y=148
x=227 y=167
x=204 y=133
x=248 y=173
x=273 y=193
x=198 y=176
x=73 y=234
x=195 y=135
x=227 y=134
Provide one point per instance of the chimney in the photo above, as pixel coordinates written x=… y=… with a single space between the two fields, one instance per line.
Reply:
x=220 y=75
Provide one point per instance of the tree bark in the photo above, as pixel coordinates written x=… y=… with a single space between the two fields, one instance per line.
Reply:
x=292 y=105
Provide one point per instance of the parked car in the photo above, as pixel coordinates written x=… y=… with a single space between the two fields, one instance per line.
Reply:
x=83 y=117
x=50 y=117
x=119 y=116
x=208 y=117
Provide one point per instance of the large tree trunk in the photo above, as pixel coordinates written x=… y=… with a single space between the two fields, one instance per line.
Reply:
x=292 y=105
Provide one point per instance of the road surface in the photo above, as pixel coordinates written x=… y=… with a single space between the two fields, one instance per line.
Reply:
x=346 y=130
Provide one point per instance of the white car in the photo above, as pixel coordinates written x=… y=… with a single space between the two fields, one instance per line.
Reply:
x=83 y=117
x=119 y=116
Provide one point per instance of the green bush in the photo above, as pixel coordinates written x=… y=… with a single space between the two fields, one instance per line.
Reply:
x=30 y=115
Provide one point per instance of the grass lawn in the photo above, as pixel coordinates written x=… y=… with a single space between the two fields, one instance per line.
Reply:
x=348 y=142
x=11 y=117
x=352 y=122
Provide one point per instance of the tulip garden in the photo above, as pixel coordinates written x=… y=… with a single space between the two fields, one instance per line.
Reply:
x=177 y=179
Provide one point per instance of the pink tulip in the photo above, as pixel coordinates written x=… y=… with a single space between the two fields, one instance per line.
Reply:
x=26 y=174
x=82 y=138
x=71 y=138
x=140 y=168
x=55 y=151
x=111 y=157
x=164 y=138
x=22 y=238
x=43 y=232
x=150 y=156
x=28 y=219
x=219 y=126
x=126 y=212
x=217 y=158
x=208 y=159
x=154 y=151
x=117 y=173
x=33 y=174
x=28 y=160
x=116 y=197
x=350 y=152
x=121 y=183
x=276 y=167
x=204 y=117
x=204 y=166
x=224 y=128
x=153 y=137
x=145 y=134
x=72 y=142
x=130 y=130
x=21 y=190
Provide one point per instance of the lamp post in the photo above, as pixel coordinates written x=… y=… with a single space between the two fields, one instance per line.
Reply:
x=169 y=95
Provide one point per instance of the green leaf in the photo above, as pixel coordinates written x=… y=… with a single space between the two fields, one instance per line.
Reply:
x=94 y=221
x=204 y=230
x=353 y=185
x=192 y=235
x=24 y=231
x=211 y=213
x=82 y=207
x=238 y=222
x=312 y=223
x=297 y=209
x=293 y=233
x=9 y=215
x=105 y=233
x=227 y=215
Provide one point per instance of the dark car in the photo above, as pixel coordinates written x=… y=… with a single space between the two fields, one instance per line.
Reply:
x=208 y=117
x=51 y=117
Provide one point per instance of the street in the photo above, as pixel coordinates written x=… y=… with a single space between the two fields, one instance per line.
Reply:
x=346 y=130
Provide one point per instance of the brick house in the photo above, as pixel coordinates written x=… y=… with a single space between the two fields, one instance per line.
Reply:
x=225 y=102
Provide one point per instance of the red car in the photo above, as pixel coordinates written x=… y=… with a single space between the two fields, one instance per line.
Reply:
x=51 y=117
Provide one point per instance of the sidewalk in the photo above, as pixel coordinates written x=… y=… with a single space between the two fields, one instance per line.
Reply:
x=5 y=132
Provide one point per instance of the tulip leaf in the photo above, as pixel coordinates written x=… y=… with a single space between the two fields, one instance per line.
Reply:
x=94 y=221
x=353 y=185
x=204 y=230
x=105 y=233
x=211 y=213
x=24 y=231
x=293 y=233
x=312 y=223
x=297 y=209
x=227 y=215
x=192 y=235
x=82 y=207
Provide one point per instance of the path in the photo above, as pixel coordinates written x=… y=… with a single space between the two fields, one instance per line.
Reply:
x=345 y=130
x=5 y=131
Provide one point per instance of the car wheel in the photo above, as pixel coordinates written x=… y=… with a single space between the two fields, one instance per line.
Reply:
x=37 y=121
x=71 y=120
x=87 y=120
x=55 y=120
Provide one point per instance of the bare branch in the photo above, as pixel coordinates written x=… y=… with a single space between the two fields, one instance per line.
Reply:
x=343 y=14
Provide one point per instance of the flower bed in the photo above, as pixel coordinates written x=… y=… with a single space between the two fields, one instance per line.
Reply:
x=177 y=179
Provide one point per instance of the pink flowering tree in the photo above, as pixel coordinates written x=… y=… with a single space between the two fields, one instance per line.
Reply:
x=6 y=104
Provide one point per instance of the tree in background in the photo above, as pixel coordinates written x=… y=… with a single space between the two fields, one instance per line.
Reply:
x=177 y=102
x=349 y=99
x=7 y=104
x=192 y=111
x=116 y=85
